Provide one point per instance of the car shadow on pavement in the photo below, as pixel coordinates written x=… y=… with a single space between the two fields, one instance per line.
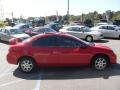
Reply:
x=69 y=73
x=4 y=42
x=102 y=41
x=112 y=38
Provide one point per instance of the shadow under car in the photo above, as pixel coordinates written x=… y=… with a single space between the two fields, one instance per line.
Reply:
x=69 y=73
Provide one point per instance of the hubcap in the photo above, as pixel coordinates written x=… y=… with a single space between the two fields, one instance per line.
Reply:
x=89 y=39
x=26 y=65
x=100 y=63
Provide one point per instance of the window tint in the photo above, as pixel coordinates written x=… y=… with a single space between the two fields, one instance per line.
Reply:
x=111 y=28
x=75 y=29
x=24 y=27
x=67 y=42
x=3 y=30
x=103 y=27
x=7 y=32
x=49 y=30
x=41 y=30
x=54 y=27
x=45 y=41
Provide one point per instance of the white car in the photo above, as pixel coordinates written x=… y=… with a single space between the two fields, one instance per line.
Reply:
x=98 y=24
x=82 y=32
x=108 y=30
x=7 y=33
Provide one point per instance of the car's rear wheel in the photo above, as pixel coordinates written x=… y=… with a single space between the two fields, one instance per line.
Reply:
x=89 y=38
x=100 y=62
x=26 y=64
x=119 y=36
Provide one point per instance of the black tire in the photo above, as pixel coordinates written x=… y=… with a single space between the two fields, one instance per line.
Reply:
x=100 y=62
x=89 y=38
x=119 y=37
x=26 y=65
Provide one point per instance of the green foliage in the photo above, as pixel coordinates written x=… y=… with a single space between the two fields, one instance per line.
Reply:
x=2 y=24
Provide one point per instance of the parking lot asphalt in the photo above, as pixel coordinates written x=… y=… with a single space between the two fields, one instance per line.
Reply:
x=72 y=78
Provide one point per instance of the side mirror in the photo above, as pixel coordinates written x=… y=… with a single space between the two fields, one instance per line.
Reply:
x=84 y=46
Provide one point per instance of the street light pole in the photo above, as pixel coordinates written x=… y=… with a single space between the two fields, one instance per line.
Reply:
x=68 y=10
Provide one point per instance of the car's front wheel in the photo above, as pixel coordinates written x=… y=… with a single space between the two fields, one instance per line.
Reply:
x=26 y=65
x=100 y=62
x=89 y=38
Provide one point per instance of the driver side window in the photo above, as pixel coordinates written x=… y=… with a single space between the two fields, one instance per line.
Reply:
x=68 y=42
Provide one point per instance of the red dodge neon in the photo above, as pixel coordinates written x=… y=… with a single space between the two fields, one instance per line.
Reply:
x=55 y=49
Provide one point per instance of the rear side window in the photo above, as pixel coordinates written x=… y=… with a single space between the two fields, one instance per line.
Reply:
x=49 y=41
x=103 y=27
x=111 y=28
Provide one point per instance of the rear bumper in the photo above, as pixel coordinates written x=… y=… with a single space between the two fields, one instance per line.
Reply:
x=12 y=58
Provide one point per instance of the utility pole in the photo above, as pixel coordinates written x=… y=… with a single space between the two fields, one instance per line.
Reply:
x=1 y=10
x=68 y=10
x=12 y=16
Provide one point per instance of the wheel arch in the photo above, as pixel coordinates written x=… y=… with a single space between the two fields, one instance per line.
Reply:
x=20 y=58
x=89 y=36
x=100 y=54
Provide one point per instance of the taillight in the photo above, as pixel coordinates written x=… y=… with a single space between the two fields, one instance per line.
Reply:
x=14 y=41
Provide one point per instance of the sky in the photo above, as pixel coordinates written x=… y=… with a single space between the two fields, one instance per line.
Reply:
x=36 y=8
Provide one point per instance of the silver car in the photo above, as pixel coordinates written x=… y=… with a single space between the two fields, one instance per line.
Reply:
x=108 y=30
x=8 y=33
x=82 y=32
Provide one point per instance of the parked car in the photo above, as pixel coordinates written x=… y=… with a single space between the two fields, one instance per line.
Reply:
x=88 y=23
x=116 y=22
x=7 y=33
x=40 y=30
x=23 y=27
x=55 y=26
x=101 y=23
x=82 y=32
x=111 y=31
x=56 y=49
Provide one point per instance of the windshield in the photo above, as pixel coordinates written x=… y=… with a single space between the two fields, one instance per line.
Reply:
x=85 y=29
x=15 y=31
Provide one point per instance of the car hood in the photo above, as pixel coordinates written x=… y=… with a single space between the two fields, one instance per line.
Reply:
x=102 y=46
x=21 y=36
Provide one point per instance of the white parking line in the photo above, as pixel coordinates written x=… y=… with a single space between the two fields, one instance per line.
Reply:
x=16 y=81
x=9 y=83
x=38 y=84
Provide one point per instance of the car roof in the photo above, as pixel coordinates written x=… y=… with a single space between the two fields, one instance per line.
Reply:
x=19 y=25
x=73 y=26
x=54 y=34
x=108 y=25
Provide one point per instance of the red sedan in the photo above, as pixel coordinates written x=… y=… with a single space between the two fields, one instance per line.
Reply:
x=55 y=49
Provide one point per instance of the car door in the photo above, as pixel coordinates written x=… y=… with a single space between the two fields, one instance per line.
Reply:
x=112 y=32
x=104 y=31
x=45 y=51
x=71 y=53
x=76 y=31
